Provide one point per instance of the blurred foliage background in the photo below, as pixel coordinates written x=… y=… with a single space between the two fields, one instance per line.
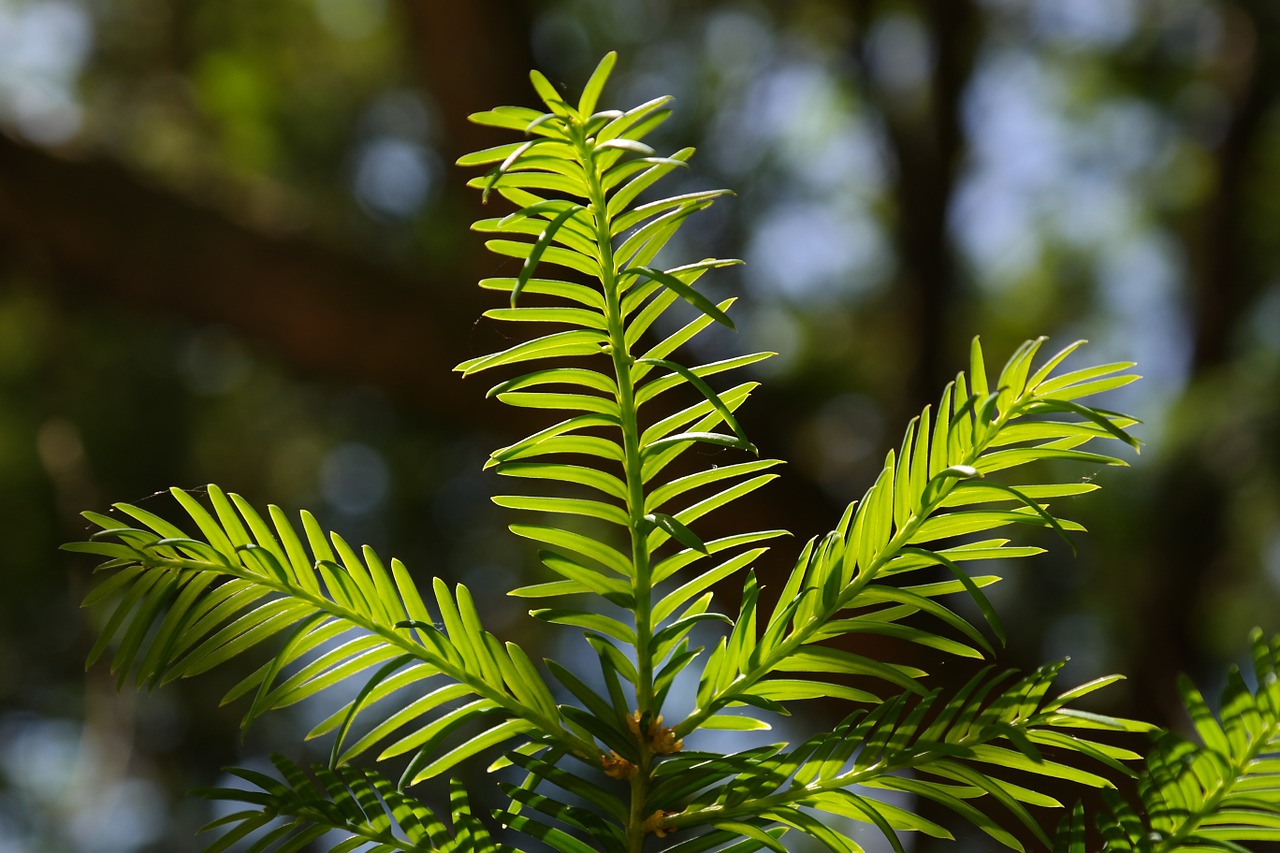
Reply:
x=233 y=248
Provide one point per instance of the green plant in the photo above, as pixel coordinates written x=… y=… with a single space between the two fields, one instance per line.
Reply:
x=616 y=503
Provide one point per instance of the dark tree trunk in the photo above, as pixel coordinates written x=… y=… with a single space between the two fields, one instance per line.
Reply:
x=1225 y=276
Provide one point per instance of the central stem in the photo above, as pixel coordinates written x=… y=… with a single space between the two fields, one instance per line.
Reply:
x=642 y=579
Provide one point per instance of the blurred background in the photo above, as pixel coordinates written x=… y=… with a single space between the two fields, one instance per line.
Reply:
x=233 y=249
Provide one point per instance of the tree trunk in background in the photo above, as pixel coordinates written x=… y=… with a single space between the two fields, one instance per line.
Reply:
x=1223 y=262
x=470 y=57
x=1194 y=493
x=927 y=143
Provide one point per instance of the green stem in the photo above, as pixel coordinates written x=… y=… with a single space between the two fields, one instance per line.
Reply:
x=640 y=782
x=633 y=465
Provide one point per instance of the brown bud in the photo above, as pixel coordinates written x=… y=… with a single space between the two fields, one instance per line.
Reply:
x=617 y=767
x=664 y=741
x=655 y=823
x=661 y=739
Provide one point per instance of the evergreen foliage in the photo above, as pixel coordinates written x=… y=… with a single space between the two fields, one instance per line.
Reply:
x=615 y=501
